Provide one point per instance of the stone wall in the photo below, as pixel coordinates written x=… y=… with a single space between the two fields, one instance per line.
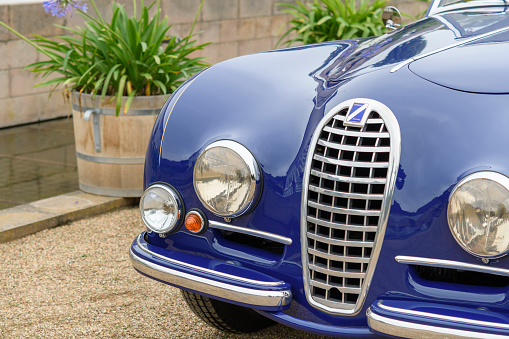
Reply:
x=235 y=27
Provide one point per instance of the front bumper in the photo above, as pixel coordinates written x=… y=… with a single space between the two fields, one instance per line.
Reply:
x=418 y=319
x=214 y=278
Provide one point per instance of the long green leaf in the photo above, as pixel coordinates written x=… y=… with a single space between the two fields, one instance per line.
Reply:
x=122 y=82
x=128 y=102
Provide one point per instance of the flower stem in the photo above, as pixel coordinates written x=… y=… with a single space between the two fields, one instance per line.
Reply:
x=196 y=17
x=97 y=11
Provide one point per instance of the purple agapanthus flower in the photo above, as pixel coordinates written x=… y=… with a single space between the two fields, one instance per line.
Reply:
x=62 y=7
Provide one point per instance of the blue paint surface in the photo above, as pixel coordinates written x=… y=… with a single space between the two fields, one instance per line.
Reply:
x=272 y=102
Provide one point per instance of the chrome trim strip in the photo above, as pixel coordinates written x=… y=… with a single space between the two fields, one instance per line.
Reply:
x=205 y=270
x=406 y=329
x=340 y=242
x=343 y=227
x=351 y=163
x=341 y=289
x=346 y=195
x=219 y=289
x=391 y=123
x=338 y=273
x=248 y=231
x=115 y=192
x=403 y=259
x=371 y=121
x=461 y=43
x=112 y=111
x=443 y=317
x=357 y=133
x=338 y=306
x=366 y=213
x=341 y=258
x=108 y=160
x=369 y=149
x=348 y=179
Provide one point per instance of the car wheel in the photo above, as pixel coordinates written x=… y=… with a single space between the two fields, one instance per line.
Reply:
x=224 y=316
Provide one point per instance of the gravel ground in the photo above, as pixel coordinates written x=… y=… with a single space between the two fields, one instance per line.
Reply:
x=76 y=281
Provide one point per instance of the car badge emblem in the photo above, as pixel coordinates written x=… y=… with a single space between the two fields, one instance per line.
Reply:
x=357 y=115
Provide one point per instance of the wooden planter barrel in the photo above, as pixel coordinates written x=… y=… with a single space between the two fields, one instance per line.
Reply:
x=110 y=149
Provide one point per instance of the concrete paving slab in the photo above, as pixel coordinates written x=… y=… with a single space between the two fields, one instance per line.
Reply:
x=22 y=220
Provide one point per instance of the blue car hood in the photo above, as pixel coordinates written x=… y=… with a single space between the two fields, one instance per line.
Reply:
x=272 y=102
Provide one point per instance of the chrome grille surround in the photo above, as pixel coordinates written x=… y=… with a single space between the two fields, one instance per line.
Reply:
x=347 y=192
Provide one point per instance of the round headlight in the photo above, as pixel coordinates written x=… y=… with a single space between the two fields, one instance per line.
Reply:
x=478 y=214
x=161 y=209
x=227 y=179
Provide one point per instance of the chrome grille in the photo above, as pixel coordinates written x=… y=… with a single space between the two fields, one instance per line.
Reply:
x=348 y=182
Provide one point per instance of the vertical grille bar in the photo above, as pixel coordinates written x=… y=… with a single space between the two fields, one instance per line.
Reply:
x=348 y=187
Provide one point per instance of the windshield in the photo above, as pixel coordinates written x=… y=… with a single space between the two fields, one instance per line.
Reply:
x=476 y=3
x=450 y=2
x=446 y=5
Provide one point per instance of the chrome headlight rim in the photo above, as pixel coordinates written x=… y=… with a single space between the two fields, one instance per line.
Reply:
x=179 y=204
x=496 y=177
x=254 y=169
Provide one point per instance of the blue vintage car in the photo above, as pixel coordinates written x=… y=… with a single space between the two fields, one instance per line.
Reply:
x=349 y=188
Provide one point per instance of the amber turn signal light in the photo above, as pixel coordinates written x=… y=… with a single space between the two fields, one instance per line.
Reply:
x=194 y=222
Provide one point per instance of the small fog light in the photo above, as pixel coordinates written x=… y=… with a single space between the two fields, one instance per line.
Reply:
x=161 y=209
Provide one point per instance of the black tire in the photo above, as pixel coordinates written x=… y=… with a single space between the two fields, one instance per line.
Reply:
x=224 y=316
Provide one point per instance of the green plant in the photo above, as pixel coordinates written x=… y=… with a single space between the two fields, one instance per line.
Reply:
x=325 y=20
x=129 y=56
